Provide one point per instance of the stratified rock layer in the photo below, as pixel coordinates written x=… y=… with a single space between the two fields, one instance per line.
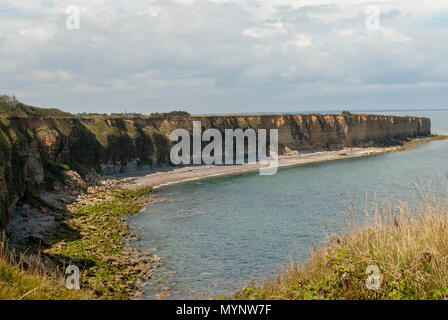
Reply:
x=37 y=152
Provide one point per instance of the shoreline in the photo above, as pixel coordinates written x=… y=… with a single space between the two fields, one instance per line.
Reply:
x=130 y=194
x=89 y=230
x=161 y=177
x=157 y=179
x=141 y=179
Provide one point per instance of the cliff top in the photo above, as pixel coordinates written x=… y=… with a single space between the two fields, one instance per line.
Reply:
x=11 y=109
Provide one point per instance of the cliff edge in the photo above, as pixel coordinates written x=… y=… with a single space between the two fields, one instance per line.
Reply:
x=48 y=148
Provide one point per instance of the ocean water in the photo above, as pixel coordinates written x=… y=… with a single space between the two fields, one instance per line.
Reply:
x=216 y=234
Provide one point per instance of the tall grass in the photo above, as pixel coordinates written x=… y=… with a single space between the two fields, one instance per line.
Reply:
x=30 y=280
x=408 y=244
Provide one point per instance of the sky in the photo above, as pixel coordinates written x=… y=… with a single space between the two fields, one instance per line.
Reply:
x=224 y=56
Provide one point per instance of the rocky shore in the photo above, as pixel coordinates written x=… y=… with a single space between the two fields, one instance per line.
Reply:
x=54 y=203
x=84 y=221
x=86 y=228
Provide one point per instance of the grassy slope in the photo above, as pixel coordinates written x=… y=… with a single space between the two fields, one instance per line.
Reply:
x=410 y=247
x=95 y=241
x=9 y=107
x=18 y=283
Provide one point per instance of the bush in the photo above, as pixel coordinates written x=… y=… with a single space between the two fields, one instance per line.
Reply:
x=170 y=114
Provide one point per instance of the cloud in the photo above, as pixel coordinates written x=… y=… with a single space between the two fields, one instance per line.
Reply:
x=223 y=56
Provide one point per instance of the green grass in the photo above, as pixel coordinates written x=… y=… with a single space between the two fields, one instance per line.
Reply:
x=53 y=172
x=10 y=107
x=96 y=243
x=4 y=144
x=32 y=283
x=94 y=240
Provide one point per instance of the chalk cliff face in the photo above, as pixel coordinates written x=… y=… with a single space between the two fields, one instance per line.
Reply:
x=312 y=131
x=37 y=151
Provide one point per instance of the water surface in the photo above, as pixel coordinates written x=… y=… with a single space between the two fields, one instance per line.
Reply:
x=216 y=234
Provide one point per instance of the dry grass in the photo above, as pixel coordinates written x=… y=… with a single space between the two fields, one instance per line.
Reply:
x=32 y=282
x=409 y=245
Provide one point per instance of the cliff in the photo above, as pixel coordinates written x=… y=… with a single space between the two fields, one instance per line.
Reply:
x=41 y=148
x=315 y=131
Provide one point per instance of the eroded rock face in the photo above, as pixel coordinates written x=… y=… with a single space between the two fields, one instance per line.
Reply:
x=33 y=169
x=74 y=182
x=48 y=140
x=39 y=152
x=5 y=203
x=313 y=131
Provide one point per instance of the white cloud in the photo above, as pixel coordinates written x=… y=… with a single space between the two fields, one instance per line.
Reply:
x=394 y=35
x=269 y=30
x=303 y=40
x=222 y=55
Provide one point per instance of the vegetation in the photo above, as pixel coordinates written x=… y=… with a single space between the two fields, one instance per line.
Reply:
x=91 y=114
x=408 y=249
x=413 y=142
x=10 y=107
x=53 y=172
x=409 y=246
x=127 y=114
x=169 y=114
x=134 y=114
x=94 y=240
x=18 y=282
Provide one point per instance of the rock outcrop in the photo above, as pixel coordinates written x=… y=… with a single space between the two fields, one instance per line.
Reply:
x=40 y=150
x=314 y=131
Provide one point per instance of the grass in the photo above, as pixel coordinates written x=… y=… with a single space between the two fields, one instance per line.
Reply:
x=53 y=172
x=32 y=283
x=408 y=245
x=94 y=240
x=11 y=107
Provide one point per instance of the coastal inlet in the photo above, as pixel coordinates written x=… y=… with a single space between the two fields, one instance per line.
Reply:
x=216 y=234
